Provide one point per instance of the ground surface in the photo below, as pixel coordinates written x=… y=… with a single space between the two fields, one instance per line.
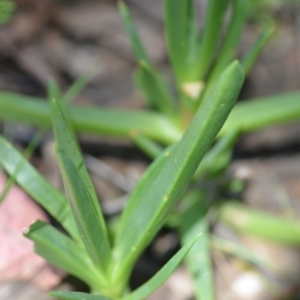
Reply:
x=63 y=39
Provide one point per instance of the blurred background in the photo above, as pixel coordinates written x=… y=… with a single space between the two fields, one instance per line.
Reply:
x=62 y=40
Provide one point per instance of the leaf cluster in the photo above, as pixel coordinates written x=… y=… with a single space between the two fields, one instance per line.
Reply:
x=207 y=82
x=87 y=251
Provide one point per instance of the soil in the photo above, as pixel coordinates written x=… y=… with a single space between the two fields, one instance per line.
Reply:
x=63 y=39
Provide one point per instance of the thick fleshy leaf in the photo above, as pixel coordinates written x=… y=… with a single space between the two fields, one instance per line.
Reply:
x=122 y=123
x=76 y=296
x=152 y=210
x=37 y=187
x=62 y=252
x=154 y=89
x=138 y=49
x=194 y=221
x=162 y=275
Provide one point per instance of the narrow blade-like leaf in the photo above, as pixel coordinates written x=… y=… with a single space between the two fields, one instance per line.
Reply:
x=122 y=123
x=78 y=86
x=231 y=40
x=194 y=221
x=62 y=252
x=149 y=147
x=85 y=205
x=37 y=187
x=143 y=187
x=76 y=296
x=251 y=56
x=85 y=213
x=26 y=154
x=241 y=252
x=257 y=113
x=178 y=15
x=162 y=275
x=154 y=89
x=260 y=224
x=192 y=37
x=65 y=139
x=53 y=90
x=219 y=155
x=247 y=116
x=210 y=38
x=152 y=210
x=138 y=49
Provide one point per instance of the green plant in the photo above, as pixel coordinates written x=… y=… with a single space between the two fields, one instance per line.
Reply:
x=170 y=114
x=7 y=8
x=102 y=261
x=191 y=120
